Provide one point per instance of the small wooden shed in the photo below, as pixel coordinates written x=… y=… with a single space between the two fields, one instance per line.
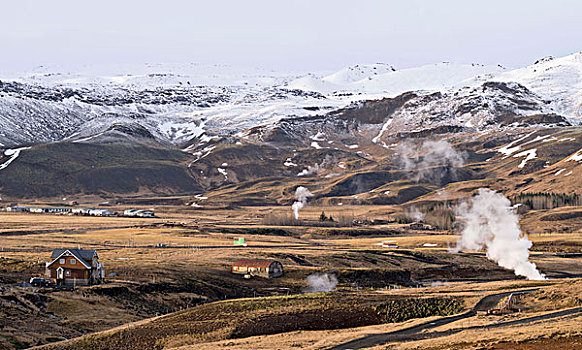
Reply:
x=420 y=226
x=256 y=267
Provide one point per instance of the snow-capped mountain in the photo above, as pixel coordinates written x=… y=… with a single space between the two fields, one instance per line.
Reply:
x=492 y=106
x=384 y=80
x=144 y=76
x=179 y=104
x=558 y=80
x=184 y=123
x=174 y=114
x=358 y=72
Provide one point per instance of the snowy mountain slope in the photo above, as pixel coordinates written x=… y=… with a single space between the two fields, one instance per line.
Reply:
x=25 y=121
x=37 y=114
x=358 y=72
x=144 y=76
x=314 y=83
x=435 y=77
x=367 y=80
x=488 y=107
x=183 y=105
x=558 y=80
x=491 y=105
x=205 y=130
x=473 y=97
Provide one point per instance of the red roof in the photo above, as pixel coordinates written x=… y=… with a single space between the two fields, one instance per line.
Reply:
x=253 y=263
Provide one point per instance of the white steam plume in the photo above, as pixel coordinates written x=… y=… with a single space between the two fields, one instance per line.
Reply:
x=317 y=169
x=415 y=213
x=310 y=170
x=301 y=195
x=491 y=223
x=423 y=158
x=320 y=282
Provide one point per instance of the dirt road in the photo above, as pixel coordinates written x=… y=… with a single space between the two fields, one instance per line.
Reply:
x=414 y=333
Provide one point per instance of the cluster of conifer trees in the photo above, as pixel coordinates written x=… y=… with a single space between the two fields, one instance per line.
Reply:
x=547 y=200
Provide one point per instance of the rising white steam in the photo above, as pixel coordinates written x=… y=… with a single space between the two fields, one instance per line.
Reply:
x=301 y=195
x=414 y=213
x=320 y=282
x=427 y=159
x=317 y=169
x=310 y=170
x=491 y=223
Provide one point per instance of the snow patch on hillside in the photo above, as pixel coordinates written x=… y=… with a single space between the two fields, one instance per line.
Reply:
x=316 y=145
x=223 y=172
x=13 y=154
x=510 y=148
x=289 y=163
x=318 y=137
x=182 y=130
x=382 y=131
x=529 y=155
x=576 y=157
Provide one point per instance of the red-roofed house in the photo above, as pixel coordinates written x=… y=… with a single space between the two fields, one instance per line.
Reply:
x=254 y=267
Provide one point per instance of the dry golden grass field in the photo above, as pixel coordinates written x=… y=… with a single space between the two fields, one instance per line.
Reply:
x=184 y=284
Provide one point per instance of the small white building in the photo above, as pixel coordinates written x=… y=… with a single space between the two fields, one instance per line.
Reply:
x=80 y=211
x=101 y=212
x=40 y=210
x=57 y=210
x=129 y=212
x=17 y=209
x=139 y=213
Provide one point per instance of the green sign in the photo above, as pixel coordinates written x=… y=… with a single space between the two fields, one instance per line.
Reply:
x=240 y=241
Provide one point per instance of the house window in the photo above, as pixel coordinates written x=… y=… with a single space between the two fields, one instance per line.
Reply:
x=61 y=261
x=73 y=261
x=68 y=272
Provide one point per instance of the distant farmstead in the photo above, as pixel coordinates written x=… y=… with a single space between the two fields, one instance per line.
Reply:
x=420 y=226
x=261 y=268
x=101 y=212
x=75 y=266
x=81 y=211
x=39 y=210
x=17 y=209
x=139 y=213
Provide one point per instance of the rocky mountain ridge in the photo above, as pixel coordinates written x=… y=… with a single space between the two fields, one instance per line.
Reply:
x=222 y=135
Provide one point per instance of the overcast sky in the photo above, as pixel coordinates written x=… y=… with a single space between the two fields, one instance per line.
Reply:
x=299 y=35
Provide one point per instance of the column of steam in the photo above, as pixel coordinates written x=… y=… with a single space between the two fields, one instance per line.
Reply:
x=301 y=195
x=491 y=223
x=317 y=282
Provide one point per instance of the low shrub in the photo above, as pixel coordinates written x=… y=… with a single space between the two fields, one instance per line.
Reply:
x=400 y=310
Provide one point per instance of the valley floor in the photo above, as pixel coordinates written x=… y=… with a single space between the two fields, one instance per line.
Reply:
x=186 y=280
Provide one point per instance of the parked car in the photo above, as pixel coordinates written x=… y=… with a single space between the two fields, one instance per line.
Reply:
x=40 y=282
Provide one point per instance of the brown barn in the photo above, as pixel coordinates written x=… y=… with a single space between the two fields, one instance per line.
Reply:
x=75 y=266
x=420 y=226
x=261 y=268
